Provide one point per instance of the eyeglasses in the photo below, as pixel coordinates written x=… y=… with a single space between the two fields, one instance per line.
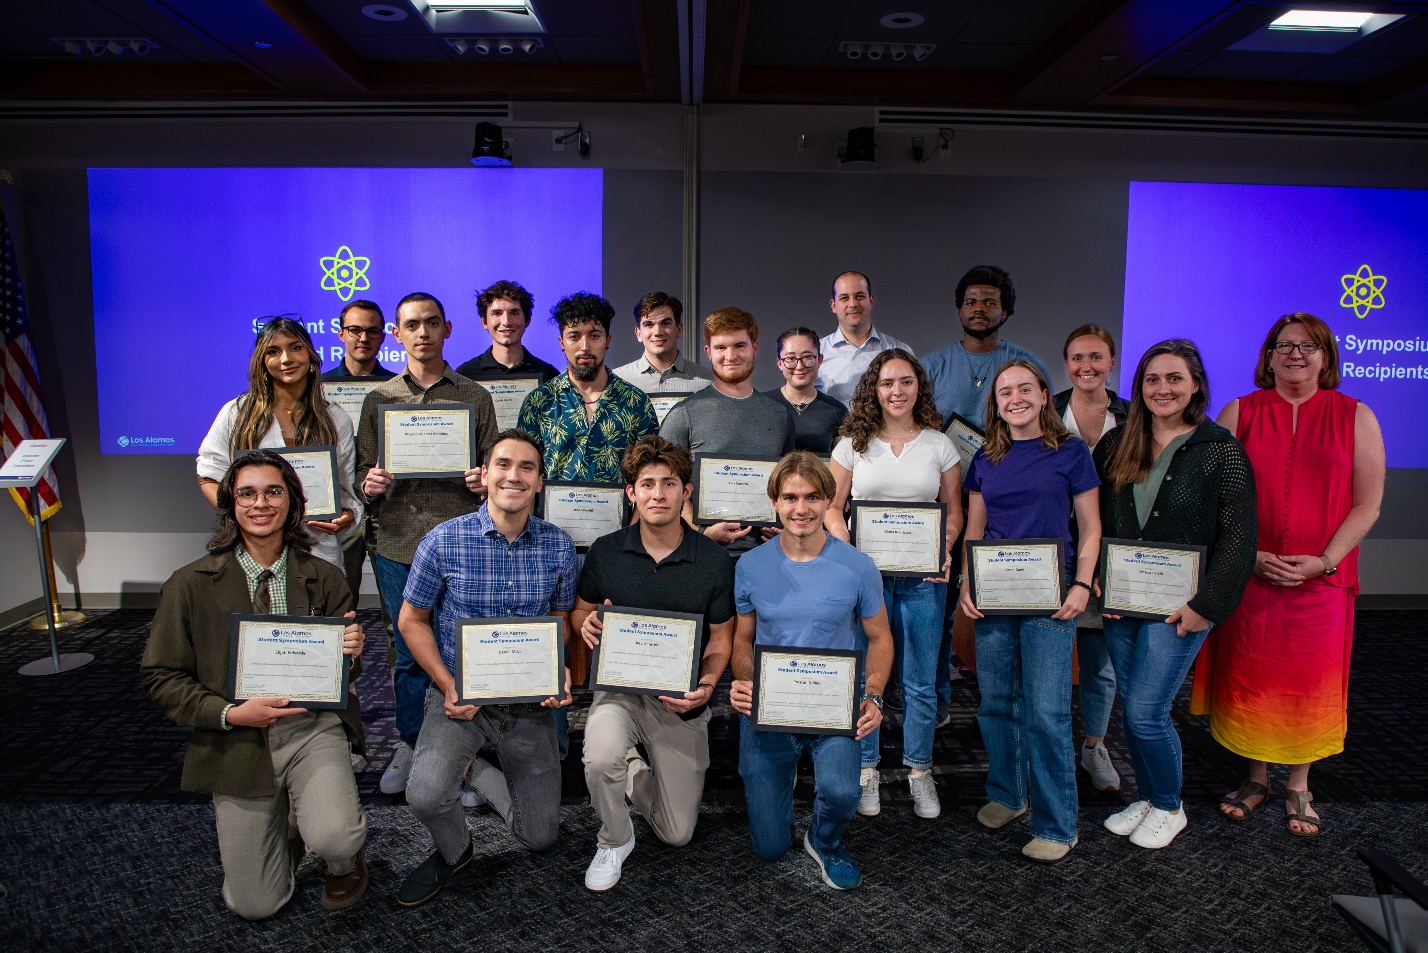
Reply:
x=1286 y=348
x=247 y=496
x=361 y=332
x=808 y=360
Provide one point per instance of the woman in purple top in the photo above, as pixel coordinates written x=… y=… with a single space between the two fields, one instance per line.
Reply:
x=1023 y=484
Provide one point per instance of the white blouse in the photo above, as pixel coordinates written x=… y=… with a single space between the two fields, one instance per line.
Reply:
x=915 y=476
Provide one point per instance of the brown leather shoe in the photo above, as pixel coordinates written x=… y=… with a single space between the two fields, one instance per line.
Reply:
x=342 y=891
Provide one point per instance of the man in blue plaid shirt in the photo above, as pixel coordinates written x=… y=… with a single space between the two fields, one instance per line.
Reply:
x=499 y=562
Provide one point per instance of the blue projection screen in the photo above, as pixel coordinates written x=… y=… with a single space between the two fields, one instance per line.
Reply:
x=193 y=257
x=1219 y=263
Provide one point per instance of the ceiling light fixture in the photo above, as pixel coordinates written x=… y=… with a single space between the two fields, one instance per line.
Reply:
x=484 y=44
x=99 y=45
x=493 y=6
x=902 y=21
x=490 y=150
x=383 y=11
x=1327 y=21
x=896 y=51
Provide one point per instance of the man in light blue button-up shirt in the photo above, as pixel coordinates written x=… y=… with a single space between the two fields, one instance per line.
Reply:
x=848 y=351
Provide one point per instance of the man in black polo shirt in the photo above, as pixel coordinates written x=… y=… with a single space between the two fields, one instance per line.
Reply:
x=661 y=563
x=505 y=309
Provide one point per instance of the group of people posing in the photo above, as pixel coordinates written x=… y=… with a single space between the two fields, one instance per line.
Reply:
x=1279 y=492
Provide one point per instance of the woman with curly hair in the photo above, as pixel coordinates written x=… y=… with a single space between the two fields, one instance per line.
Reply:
x=890 y=448
x=284 y=407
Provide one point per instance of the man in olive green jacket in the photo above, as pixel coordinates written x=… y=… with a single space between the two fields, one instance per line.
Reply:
x=262 y=760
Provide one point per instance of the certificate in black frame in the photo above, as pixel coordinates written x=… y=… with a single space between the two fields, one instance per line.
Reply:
x=699 y=458
x=548 y=485
x=295 y=621
x=761 y=651
x=860 y=506
x=366 y=384
x=471 y=451
x=335 y=489
x=594 y=683
x=677 y=397
x=1060 y=572
x=522 y=379
x=460 y=673
x=1202 y=552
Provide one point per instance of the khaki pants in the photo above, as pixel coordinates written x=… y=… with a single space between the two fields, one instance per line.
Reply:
x=313 y=768
x=666 y=793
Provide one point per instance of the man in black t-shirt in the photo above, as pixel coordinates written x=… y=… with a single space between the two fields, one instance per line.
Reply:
x=659 y=563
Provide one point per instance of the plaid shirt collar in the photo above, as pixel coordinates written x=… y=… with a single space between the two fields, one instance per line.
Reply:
x=487 y=526
x=277 y=586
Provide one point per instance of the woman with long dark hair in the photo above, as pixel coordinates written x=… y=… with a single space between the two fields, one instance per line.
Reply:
x=890 y=448
x=1024 y=483
x=1171 y=475
x=284 y=407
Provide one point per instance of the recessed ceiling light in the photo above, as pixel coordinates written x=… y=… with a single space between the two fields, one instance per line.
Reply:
x=382 y=11
x=902 y=21
x=1329 y=21
x=1110 y=57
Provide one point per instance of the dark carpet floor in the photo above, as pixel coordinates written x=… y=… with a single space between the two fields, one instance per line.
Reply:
x=100 y=850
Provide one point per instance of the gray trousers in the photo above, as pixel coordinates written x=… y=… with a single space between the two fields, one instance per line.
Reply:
x=313 y=767
x=665 y=792
x=525 y=792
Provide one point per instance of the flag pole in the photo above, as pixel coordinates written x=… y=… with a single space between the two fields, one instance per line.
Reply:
x=64 y=618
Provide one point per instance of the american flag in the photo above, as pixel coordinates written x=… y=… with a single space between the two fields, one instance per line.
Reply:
x=24 y=413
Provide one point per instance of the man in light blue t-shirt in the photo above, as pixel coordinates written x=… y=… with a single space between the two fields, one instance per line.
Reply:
x=806 y=589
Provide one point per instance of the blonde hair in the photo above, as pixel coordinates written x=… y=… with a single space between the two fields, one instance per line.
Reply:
x=803 y=464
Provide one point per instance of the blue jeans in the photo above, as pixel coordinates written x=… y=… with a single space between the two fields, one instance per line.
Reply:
x=409 y=681
x=1098 y=682
x=915 y=613
x=1024 y=673
x=1151 y=664
x=768 y=763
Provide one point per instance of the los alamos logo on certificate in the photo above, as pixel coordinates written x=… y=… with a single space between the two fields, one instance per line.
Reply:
x=299 y=658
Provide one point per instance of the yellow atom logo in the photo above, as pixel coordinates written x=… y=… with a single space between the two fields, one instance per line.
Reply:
x=346 y=273
x=1363 y=291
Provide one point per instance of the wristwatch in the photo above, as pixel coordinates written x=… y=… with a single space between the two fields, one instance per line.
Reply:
x=875 y=698
x=1328 y=570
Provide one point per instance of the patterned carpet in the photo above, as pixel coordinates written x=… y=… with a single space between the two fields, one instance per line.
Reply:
x=100 y=850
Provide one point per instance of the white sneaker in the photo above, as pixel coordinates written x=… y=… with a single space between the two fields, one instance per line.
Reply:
x=1096 y=761
x=924 y=794
x=394 y=779
x=870 y=804
x=604 y=871
x=1159 y=828
x=1123 y=823
x=470 y=797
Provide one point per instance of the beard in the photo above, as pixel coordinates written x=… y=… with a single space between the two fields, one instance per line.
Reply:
x=739 y=378
x=586 y=373
x=981 y=334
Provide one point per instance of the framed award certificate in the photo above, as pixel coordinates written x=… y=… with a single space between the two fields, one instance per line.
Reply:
x=644 y=652
x=294 y=657
x=316 y=467
x=1016 y=576
x=508 y=661
x=664 y=403
x=1146 y=580
x=904 y=539
x=808 y=691
x=586 y=511
x=508 y=393
x=349 y=393
x=733 y=489
x=966 y=436
x=426 y=440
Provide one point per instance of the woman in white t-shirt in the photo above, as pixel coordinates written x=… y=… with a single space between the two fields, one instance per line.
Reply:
x=891 y=448
x=284 y=407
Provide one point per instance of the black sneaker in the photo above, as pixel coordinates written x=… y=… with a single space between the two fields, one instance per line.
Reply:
x=430 y=878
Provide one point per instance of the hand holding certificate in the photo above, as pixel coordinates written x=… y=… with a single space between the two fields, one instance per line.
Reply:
x=733 y=489
x=643 y=652
x=426 y=440
x=316 y=468
x=1146 y=580
x=299 y=658
x=966 y=436
x=807 y=691
x=903 y=539
x=1016 y=576
x=586 y=511
x=509 y=661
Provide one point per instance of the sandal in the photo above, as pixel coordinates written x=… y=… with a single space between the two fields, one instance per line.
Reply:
x=1248 y=789
x=1299 y=801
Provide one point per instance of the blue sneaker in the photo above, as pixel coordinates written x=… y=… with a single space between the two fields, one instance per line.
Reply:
x=837 y=869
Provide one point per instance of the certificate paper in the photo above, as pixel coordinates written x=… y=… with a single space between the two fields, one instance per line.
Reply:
x=1016 y=576
x=733 y=489
x=967 y=437
x=294 y=657
x=664 y=403
x=643 y=652
x=807 y=691
x=903 y=539
x=349 y=394
x=1147 y=580
x=586 y=511
x=507 y=661
x=427 y=440
x=508 y=393
x=316 y=467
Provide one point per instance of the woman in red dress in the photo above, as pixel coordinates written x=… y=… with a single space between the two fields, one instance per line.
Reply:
x=1274 y=678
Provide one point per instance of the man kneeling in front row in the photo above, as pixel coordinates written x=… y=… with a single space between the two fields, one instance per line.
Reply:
x=263 y=760
x=663 y=564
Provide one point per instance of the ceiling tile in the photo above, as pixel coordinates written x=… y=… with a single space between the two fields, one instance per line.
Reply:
x=981 y=56
x=596 y=49
x=795 y=19
x=779 y=51
x=68 y=18
x=1253 y=66
x=403 y=49
x=1017 y=21
x=588 y=17
x=1407 y=37
x=1177 y=63
x=1350 y=69
x=347 y=18
x=944 y=20
x=1233 y=28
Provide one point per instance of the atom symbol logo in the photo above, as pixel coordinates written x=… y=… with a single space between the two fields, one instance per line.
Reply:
x=1363 y=291
x=345 y=273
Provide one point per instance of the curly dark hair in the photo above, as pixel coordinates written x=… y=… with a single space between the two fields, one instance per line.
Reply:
x=865 y=414
x=581 y=307
x=993 y=277
x=511 y=291
x=227 y=535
